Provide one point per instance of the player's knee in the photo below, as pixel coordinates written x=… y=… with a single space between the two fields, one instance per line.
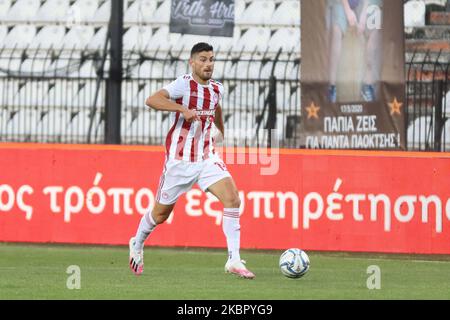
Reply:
x=233 y=202
x=237 y=202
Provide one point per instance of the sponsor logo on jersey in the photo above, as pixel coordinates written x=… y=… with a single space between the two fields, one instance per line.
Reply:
x=206 y=112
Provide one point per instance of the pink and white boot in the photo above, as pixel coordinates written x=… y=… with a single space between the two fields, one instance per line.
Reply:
x=136 y=259
x=238 y=268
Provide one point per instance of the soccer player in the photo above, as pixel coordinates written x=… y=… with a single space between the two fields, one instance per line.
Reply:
x=194 y=100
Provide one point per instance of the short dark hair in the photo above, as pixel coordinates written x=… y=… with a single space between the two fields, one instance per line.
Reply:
x=200 y=47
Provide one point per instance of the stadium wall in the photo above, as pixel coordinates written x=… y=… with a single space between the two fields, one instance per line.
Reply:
x=318 y=200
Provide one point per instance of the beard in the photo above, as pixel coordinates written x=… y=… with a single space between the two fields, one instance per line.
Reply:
x=205 y=76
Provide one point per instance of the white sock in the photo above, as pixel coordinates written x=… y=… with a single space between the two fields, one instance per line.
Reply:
x=232 y=230
x=146 y=227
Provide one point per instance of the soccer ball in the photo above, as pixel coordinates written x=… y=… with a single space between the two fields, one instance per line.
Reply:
x=294 y=263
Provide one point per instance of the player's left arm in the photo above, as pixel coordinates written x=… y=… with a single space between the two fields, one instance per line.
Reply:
x=218 y=120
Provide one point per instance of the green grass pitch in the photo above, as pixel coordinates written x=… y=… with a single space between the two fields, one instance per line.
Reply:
x=39 y=272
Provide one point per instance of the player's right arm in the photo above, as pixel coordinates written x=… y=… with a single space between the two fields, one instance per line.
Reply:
x=163 y=99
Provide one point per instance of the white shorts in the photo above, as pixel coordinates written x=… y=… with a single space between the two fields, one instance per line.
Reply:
x=180 y=176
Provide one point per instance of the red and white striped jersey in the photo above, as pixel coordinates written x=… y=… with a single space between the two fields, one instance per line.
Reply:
x=193 y=141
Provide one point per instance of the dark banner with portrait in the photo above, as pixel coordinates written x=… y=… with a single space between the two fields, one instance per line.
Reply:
x=353 y=81
x=202 y=17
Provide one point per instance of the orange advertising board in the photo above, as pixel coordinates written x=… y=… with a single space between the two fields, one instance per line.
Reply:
x=315 y=200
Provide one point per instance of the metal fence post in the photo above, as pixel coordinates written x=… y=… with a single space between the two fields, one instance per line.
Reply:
x=114 y=84
x=272 y=116
x=438 y=120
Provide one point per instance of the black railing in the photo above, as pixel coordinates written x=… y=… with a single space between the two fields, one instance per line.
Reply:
x=249 y=79
x=47 y=96
x=428 y=101
x=56 y=96
x=59 y=96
